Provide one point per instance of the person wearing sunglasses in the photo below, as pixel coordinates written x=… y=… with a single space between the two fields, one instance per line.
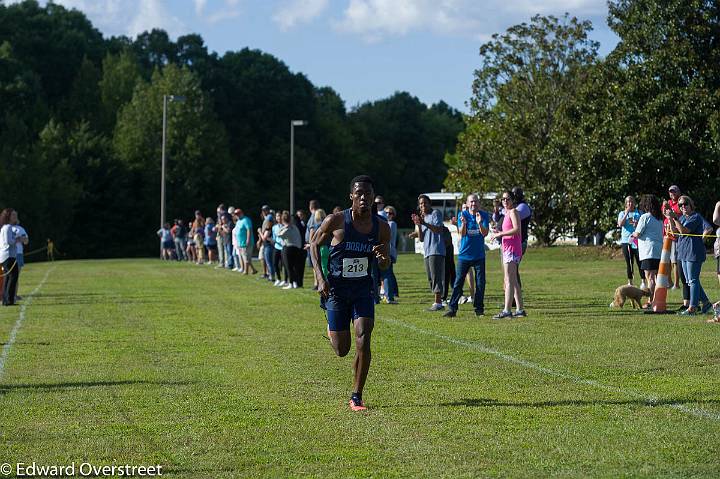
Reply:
x=511 y=255
x=690 y=227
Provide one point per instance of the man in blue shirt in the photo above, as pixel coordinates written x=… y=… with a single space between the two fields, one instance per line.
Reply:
x=245 y=241
x=473 y=225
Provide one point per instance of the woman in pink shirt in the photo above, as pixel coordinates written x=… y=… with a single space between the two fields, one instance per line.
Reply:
x=511 y=255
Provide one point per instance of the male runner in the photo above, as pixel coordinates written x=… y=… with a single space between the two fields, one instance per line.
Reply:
x=355 y=236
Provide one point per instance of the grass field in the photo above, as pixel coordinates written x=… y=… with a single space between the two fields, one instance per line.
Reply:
x=214 y=375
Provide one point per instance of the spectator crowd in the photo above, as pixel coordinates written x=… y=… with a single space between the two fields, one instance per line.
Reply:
x=281 y=243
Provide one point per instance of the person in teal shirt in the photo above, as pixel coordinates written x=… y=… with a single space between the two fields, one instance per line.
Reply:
x=245 y=241
x=627 y=221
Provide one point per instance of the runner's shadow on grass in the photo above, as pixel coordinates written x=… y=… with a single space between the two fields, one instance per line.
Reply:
x=6 y=388
x=484 y=402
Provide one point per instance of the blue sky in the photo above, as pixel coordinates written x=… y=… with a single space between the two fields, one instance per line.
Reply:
x=364 y=49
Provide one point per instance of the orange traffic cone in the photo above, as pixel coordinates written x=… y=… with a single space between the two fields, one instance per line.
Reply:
x=659 y=304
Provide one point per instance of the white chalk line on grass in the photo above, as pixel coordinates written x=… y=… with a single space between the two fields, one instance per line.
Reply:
x=650 y=400
x=21 y=318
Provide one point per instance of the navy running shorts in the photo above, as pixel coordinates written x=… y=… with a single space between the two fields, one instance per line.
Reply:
x=341 y=311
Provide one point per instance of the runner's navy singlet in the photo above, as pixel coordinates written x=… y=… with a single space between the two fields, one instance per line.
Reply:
x=350 y=260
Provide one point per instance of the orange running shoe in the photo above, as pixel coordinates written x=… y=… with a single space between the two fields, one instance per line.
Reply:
x=357 y=405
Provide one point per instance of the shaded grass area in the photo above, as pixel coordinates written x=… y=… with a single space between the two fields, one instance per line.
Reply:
x=212 y=374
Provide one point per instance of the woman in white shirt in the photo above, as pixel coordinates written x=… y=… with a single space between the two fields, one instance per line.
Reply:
x=292 y=250
x=8 y=255
x=649 y=233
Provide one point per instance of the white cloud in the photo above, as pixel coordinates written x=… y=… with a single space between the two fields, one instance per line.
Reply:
x=199 y=6
x=376 y=19
x=153 y=14
x=294 y=12
x=127 y=17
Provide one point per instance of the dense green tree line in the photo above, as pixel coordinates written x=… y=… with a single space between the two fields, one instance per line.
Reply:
x=580 y=132
x=81 y=123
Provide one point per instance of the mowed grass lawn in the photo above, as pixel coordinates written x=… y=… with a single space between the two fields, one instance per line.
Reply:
x=212 y=374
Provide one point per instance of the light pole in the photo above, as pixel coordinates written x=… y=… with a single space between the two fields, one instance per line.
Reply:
x=178 y=99
x=293 y=124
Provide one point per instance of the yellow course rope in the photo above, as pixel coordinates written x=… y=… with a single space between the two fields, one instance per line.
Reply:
x=13 y=267
x=35 y=251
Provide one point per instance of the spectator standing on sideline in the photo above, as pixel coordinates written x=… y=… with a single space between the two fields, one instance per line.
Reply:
x=511 y=256
x=716 y=245
x=23 y=241
x=312 y=226
x=301 y=223
x=245 y=241
x=690 y=251
x=680 y=278
x=390 y=285
x=166 y=241
x=8 y=255
x=627 y=220
x=264 y=211
x=191 y=248
x=268 y=250
x=198 y=235
x=179 y=234
x=219 y=238
x=324 y=250
x=210 y=239
x=678 y=274
x=428 y=227
x=225 y=234
x=291 y=252
x=449 y=263
x=278 y=244
x=234 y=240
x=380 y=205
x=496 y=220
x=525 y=213
x=473 y=225
x=649 y=235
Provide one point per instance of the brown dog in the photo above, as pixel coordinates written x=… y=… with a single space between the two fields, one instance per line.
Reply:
x=625 y=292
